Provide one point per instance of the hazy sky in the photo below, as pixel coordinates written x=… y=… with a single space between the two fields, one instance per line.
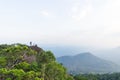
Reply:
x=93 y=23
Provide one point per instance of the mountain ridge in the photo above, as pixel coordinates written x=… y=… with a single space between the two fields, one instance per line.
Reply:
x=112 y=54
x=87 y=63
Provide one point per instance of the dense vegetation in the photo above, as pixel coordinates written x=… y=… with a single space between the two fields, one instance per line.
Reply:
x=22 y=62
x=112 y=76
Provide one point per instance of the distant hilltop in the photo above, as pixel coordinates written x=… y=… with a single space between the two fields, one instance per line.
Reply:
x=87 y=63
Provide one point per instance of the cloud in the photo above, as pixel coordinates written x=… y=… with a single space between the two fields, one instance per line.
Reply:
x=44 y=13
x=110 y=18
x=87 y=22
x=80 y=12
x=97 y=25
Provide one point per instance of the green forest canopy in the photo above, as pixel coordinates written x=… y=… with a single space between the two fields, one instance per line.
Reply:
x=23 y=62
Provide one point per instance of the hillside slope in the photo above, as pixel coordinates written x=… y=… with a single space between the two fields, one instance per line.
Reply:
x=23 y=62
x=87 y=63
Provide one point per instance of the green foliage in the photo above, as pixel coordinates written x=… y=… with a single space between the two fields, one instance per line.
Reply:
x=18 y=74
x=55 y=71
x=21 y=62
x=2 y=62
x=112 y=76
x=45 y=57
x=23 y=65
x=15 y=54
x=79 y=77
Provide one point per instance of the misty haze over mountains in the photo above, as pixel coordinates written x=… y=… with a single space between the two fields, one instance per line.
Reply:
x=111 y=54
x=87 y=63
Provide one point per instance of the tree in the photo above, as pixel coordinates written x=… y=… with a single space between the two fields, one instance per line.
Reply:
x=55 y=71
x=22 y=62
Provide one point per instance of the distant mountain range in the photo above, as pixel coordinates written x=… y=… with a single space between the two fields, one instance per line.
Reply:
x=110 y=54
x=87 y=63
x=65 y=50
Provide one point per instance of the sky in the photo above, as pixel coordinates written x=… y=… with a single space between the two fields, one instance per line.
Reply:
x=90 y=23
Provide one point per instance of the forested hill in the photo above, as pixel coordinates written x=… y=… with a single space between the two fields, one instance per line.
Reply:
x=87 y=63
x=23 y=62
